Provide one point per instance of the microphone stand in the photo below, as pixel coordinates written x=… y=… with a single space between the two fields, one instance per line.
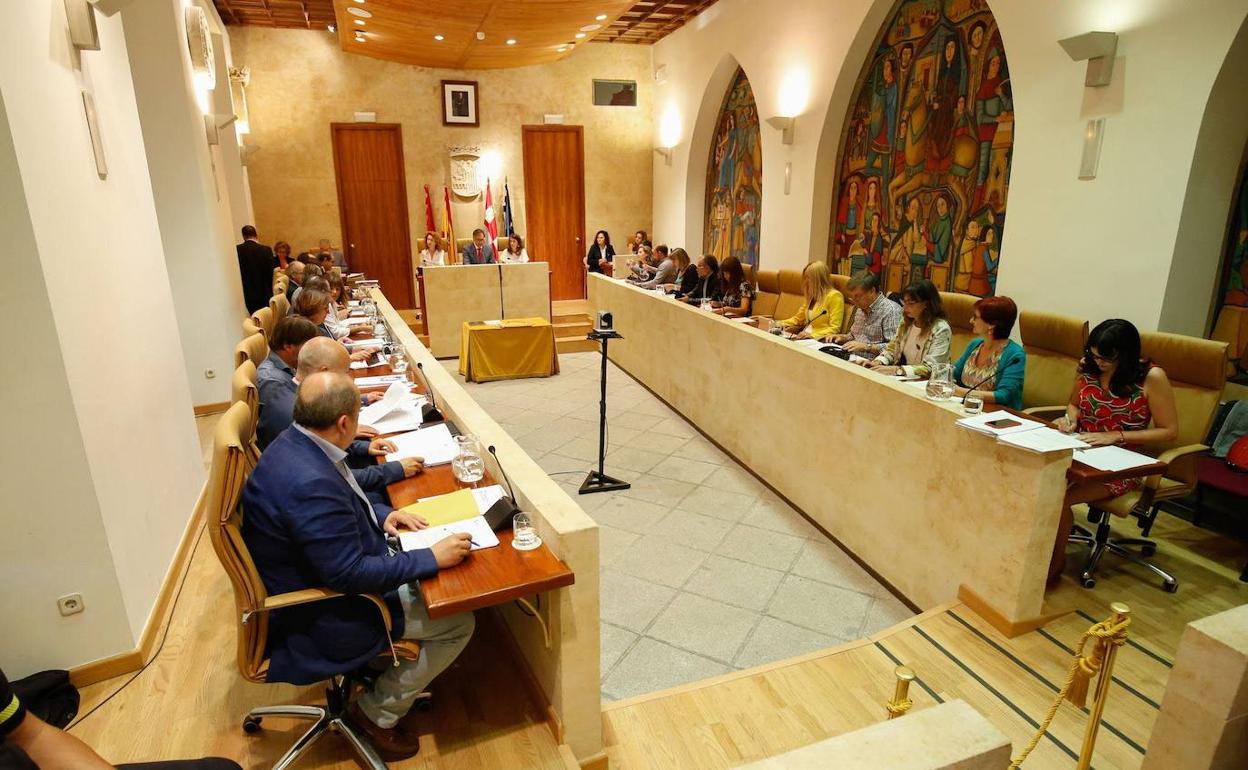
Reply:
x=599 y=481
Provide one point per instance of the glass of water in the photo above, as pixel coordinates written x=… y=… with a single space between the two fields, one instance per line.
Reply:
x=524 y=533
x=972 y=404
x=776 y=327
x=705 y=304
x=467 y=464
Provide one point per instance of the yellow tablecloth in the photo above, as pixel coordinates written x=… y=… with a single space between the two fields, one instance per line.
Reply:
x=515 y=348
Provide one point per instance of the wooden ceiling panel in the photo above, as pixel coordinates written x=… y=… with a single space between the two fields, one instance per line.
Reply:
x=292 y=14
x=649 y=22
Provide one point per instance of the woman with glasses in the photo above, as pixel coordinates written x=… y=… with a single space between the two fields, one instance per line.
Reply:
x=1118 y=398
x=923 y=338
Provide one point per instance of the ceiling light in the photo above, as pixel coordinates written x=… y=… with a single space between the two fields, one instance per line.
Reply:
x=601 y=17
x=580 y=35
x=332 y=28
x=438 y=38
x=361 y=22
x=591 y=27
x=363 y=14
x=360 y=37
x=562 y=48
x=511 y=42
x=361 y=2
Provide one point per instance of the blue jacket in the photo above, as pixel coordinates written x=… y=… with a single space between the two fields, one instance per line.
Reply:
x=306 y=528
x=471 y=257
x=1010 y=369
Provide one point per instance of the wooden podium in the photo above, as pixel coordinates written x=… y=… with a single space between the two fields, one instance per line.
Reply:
x=453 y=294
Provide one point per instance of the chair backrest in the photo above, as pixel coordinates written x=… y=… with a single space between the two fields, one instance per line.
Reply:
x=243 y=389
x=280 y=306
x=1197 y=372
x=252 y=326
x=841 y=283
x=959 y=308
x=253 y=348
x=748 y=269
x=768 y=293
x=230 y=468
x=280 y=282
x=792 y=298
x=264 y=319
x=1054 y=345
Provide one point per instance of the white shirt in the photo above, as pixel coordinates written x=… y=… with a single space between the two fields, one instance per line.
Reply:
x=436 y=258
x=507 y=256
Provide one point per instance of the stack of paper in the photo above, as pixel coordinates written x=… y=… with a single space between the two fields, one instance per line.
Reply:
x=408 y=415
x=356 y=320
x=456 y=506
x=1043 y=440
x=380 y=379
x=810 y=344
x=477 y=528
x=998 y=423
x=396 y=394
x=434 y=444
x=1113 y=458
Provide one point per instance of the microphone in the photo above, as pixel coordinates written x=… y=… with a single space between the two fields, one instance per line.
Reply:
x=429 y=412
x=500 y=513
x=811 y=322
x=976 y=386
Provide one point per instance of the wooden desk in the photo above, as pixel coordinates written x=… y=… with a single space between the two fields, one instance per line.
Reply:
x=489 y=576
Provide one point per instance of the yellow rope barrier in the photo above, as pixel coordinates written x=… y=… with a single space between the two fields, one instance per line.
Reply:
x=1109 y=635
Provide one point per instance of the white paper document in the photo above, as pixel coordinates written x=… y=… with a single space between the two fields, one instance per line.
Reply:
x=998 y=423
x=483 y=497
x=810 y=344
x=477 y=528
x=406 y=416
x=355 y=320
x=396 y=394
x=1113 y=458
x=434 y=444
x=380 y=379
x=1043 y=440
x=375 y=361
x=371 y=342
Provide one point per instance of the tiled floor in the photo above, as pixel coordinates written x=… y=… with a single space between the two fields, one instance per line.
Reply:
x=704 y=570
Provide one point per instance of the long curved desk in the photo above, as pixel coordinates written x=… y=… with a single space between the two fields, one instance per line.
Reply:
x=936 y=510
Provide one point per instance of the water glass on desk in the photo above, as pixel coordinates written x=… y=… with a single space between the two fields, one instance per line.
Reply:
x=467 y=464
x=705 y=304
x=972 y=404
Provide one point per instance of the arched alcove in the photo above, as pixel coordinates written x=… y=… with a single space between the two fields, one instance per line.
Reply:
x=734 y=174
x=701 y=136
x=917 y=156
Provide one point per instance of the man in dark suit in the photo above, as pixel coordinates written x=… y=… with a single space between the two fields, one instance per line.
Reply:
x=294 y=271
x=255 y=262
x=480 y=251
x=309 y=524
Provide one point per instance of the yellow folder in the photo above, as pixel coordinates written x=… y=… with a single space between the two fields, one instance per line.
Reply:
x=445 y=509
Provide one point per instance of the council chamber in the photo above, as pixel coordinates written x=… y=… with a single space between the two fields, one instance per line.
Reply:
x=598 y=384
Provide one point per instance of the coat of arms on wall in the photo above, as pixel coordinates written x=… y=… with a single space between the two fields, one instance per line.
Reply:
x=464 y=182
x=925 y=160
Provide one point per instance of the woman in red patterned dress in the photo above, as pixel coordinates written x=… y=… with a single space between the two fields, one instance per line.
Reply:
x=1115 y=397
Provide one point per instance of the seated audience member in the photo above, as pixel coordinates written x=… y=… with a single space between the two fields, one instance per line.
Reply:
x=664 y=272
x=736 y=293
x=275 y=377
x=333 y=322
x=319 y=354
x=313 y=269
x=600 y=253
x=993 y=364
x=433 y=253
x=639 y=238
x=308 y=524
x=514 y=253
x=820 y=316
x=923 y=338
x=313 y=305
x=281 y=250
x=29 y=743
x=335 y=255
x=1115 y=397
x=326 y=264
x=707 y=286
x=685 y=275
x=294 y=271
x=875 y=321
x=640 y=268
x=480 y=251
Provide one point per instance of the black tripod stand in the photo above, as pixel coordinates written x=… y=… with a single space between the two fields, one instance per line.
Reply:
x=599 y=481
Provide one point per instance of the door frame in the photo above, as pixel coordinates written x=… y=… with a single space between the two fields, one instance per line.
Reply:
x=580 y=137
x=397 y=129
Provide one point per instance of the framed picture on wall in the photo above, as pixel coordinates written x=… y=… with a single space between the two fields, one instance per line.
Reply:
x=459 y=103
x=615 y=93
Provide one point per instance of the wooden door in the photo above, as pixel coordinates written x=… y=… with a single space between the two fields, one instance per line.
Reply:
x=554 y=196
x=372 y=203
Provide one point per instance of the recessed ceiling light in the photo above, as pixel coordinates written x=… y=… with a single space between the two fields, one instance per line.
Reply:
x=601 y=17
x=580 y=35
x=361 y=2
x=363 y=14
x=511 y=42
x=332 y=28
x=562 y=48
x=438 y=38
x=591 y=27
x=360 y=37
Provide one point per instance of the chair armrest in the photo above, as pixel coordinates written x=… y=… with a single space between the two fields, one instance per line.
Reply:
x=1170 y=455
x=309 y=595
x=1047 y=413
x=1180 y=464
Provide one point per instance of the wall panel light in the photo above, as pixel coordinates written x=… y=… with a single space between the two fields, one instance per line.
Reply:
x=1093 y=135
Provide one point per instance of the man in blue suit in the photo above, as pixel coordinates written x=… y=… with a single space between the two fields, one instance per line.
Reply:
x=308 y=523
x=480 y=251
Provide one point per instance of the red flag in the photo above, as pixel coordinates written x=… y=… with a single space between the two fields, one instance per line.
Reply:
x=491 y=226
x=448 y=227
x=430 y=226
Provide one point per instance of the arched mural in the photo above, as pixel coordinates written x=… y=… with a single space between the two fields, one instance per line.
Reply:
x=734 y=177
x=1235 y=278
x=924 y=165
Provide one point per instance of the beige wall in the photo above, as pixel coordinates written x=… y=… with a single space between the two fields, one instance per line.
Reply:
x=102 y=468
x=301 y=82
x=1066 y=241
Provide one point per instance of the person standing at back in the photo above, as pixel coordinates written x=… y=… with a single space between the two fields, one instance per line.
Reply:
x=480 y=251
x=601 y=253
x=255 y=264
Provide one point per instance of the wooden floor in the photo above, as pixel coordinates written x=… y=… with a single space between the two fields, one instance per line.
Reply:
x=190 y=700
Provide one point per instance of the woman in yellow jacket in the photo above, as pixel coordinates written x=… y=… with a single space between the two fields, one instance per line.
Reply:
x=824 y=309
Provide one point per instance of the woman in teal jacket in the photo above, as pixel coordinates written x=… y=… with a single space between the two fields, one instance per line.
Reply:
x=992 y=366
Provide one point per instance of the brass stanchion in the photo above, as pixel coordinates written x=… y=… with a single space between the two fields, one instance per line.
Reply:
x=1108 y=647
x=901 y=702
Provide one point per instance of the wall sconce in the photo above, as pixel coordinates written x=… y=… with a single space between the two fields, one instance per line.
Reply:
x=784 y=125
x=1098 y=48
x=1092 y=138
x=666 y=152
x=212 y=128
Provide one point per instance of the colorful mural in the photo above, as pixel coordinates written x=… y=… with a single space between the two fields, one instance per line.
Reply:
x=734 y=178
x=925 y=161
x=1235 y=278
